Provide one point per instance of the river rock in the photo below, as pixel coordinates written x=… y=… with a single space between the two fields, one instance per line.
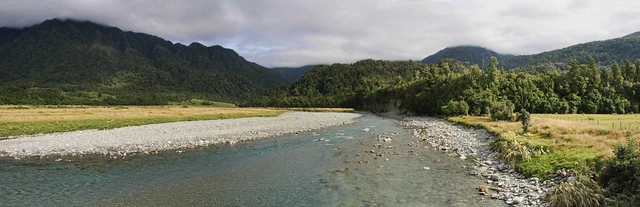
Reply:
x=518 y=199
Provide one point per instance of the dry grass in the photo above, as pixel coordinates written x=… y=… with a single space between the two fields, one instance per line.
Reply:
x=119 y=112
x=322 y=109
x=629 y=122
x=21 y=120
x=551 y=144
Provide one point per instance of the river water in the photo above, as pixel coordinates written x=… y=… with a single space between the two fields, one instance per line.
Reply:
x=295 y=170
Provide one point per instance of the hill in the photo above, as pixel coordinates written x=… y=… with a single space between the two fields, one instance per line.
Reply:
x=80 y=62
x=293 y=74
x=472 y=54
x=605 y=52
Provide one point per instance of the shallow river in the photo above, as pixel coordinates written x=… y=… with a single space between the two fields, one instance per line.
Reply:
x=296 y=170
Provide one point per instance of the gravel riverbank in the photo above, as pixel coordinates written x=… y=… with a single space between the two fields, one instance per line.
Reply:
x=502 y=182
x=168 y=136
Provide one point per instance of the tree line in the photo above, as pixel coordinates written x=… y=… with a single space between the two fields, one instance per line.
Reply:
x=452 y=87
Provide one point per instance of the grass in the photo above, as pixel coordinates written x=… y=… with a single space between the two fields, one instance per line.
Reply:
x=552 y=143
x=26 y=120
x=611 y=121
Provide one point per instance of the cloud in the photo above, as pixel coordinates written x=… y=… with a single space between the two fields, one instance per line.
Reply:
x=294 y=33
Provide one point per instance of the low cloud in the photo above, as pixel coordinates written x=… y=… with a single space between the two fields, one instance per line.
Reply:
x=294 y=33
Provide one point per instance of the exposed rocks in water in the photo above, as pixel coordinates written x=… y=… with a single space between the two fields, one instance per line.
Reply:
x=502 y=181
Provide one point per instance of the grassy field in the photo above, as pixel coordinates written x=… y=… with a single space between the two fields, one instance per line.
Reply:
x=25 y=120
x=612 y=121
x=554 y=143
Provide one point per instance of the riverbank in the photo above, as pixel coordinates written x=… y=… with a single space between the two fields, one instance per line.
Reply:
x=29 y=120
x=147 y=139
x=502 y=181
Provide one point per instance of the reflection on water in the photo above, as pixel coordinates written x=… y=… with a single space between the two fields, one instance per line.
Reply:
x=349 y=168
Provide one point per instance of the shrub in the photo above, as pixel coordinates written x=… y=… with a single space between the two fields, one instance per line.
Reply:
x=584 y=191
x=621 y=175
x=455 y=108
x=525 y=118
x=502 y=110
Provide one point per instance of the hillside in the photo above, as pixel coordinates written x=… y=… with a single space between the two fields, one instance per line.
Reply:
x=604 y=52
x=340 y=85
x=73 y=62
x=472 y=54
x=293 y=74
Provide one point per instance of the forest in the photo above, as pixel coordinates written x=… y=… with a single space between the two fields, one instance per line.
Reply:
x=452 y=88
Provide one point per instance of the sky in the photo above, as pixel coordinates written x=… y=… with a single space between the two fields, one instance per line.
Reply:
x=291 y=33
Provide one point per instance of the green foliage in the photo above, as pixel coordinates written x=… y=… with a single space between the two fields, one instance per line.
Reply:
x=471 y=55
x=428 y=89
x=525 y=118
x=293 y=74
x=456 y=108
x=502 y=110
x=621 y=175
x=70 y=62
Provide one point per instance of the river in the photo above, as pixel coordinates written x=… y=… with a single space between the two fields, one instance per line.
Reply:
x=349 y=167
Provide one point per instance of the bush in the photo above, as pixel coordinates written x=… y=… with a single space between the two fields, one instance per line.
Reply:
x=582 y=192
x=455 y=108
x=525 y=118
x=502 y=110
x=621 y=175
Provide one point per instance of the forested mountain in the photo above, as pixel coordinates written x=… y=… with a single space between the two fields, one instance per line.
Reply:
x=452 y=87
x=73 y=62
x=293 y=74
x=604 y=52
x=472 y=54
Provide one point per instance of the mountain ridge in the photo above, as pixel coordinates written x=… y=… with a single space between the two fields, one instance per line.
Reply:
x=65 y=56
x=605 y=52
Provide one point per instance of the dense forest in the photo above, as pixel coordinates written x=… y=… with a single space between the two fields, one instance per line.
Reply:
x=452 y=87
x=73 y=62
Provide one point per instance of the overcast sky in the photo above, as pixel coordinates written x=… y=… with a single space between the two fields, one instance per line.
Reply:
x=299 y=32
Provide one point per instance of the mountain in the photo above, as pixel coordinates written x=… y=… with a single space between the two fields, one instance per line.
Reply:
x=604 y=52
x=473 y=54
x=81 y=62
x=293 y=74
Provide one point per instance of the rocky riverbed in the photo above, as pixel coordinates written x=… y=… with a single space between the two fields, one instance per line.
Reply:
x=502 y=182
x=147 y=139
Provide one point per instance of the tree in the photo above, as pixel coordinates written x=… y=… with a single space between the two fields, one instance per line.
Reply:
x=502 y=110
x=525 y=118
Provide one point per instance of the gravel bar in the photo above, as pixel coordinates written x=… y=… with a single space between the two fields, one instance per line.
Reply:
x=169 y=136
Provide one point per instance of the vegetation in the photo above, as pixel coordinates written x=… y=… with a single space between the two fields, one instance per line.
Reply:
x=525 y=118
x=470 y=55
x=69 y=62
x=427 y=89
x=293 y=74
x=24 y=120
x=583 y=148
x=605 y=52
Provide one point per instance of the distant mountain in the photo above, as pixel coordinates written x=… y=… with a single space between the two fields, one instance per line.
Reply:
x=293 y=74
x=80 y=62
x=472 y=54
x=604 y=52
